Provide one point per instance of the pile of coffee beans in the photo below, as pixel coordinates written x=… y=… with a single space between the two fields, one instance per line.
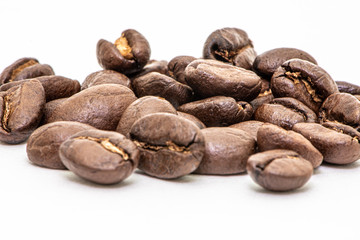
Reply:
x=277 y=115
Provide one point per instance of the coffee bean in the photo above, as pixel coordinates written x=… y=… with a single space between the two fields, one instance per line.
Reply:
x=303 y=81
x=218 y=111
x=270 y=137
x=192 y=118
x=250 y=127
x=152 y=66
x=279 y=170
x=49 y=107
x=170 y=146
x=177 y=67
x=266 y=63
x=43 y=145
x=157 y=84
x=347 y=87
x=102 y=157
x=21 y=111
x=127 y=55
x=226 y=151
x=285 y=112
x=140 y=108
x=99 y=106
x=338 y=143
x=105 y=77
x=230 y=45
x=210 y=78
x=261 y=99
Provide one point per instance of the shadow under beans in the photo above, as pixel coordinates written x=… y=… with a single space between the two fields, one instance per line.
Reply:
x=261 y=190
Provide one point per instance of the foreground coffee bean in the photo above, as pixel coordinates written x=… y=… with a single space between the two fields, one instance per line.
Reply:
x=177 y=67
x=24 y=68
x=192 y=118
x=99 y=106
x=226 y=151
x=102 y=157
x=43 y=145
x=230 y=45
x=279 y=170
x=338 y=143
x=347 y=87
x=250 y=127
x=21 y=111
x=127 y=55
x=218 y=111
x=266 y=63
x=270 y=137
x=105 y=77
x=210 y=78
x=304 y=81
x=170 y=146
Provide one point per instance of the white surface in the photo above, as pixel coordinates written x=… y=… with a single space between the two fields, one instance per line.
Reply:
x=38 y=203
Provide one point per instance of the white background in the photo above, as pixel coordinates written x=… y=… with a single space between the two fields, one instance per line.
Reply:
x=38 y=203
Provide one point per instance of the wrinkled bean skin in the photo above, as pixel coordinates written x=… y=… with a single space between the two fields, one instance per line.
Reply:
x=105 y=77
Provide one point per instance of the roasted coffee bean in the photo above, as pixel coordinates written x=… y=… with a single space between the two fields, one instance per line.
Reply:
x=152 y=66
x=43 y=145
x=140 y=108
x=192 y=118
x=266 y=63
x=105 y=77
x=270 y=137
x=99 y=106
x=341 y=107
x=210 y=78
x=25 y=68
x=127 y=55
x=347 y=87
x=261 y=99
x=21 y=111
x=304 y=81
x=49 y=107
x=226 y=151
x=157 y=84
x=230 y=45
x=285 y=112
x=338 y=143
x=177 y=67
x=218 y=111
x=170 y=146
x=102 y=157
x=251 y=127
x=279 y=170
x=55 y=86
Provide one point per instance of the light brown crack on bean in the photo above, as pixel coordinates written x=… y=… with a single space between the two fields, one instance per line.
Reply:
x=105 y=143
x=169 y=145
x=297 y=78
x=265 y=93
x=17 y=70
x=122 y=45
x=6 y=113
x=230 y=55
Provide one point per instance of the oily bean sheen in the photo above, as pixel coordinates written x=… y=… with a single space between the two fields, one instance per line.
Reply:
x=21 y=111
x=177 y=67
x=102 y=157
x=251 y=127
x=285 y=112
x=266 y=63
x=304 y=81
x=338 y=143
x=140 y=108
x=341 y=107
x=231 y=45
x=279 y=170
x=152 y=66
x=127 y=55
x=210 y=78
x=158 y=84
x=43 y=145
x=226 y=151
x=105 y=77
x=170 y=146
x=218 y=111
x=192 y=118
x=99 y=106
x=270 y=136
x=347 y=87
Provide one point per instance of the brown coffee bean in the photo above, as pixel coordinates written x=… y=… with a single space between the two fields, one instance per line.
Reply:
x=279 y=170
x=102 y=157
x=270 y=137
x=49 y=107
x=250 y=127
x=218 y=111
x=210 y=78
x=105 y=77
x=152 y=66
x=338 y=143
x=261 y=99
x=304 y=81
x=347 y=87
x=192 y=118
x=266 y=63
x=170 y=146
x=43 y=145
x=140 y=108
x=230 y=45
x=226 y=151
x=99 y=106
x=128 y=55
x=21 y=111
x=177 y=67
